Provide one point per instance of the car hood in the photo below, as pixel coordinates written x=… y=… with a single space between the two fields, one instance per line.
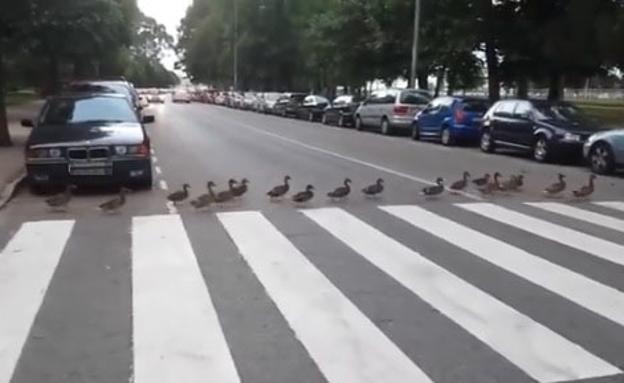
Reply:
x=127 y=133
x=578 y=127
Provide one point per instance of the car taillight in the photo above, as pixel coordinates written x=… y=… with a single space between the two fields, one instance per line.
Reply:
x=459 y=116
x=401 y=109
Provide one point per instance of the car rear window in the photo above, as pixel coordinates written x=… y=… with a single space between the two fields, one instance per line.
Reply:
x=75 y=111
x=476 y=106
x=413 y=98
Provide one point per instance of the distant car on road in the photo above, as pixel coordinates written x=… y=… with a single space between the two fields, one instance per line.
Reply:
x=312 y=108
x=546 y=129
x=267 y=102
x=451 y=119
x=604 y=151
x=88 y=139
x=156 y=98
x=181 y=96
x=288 y=104
x=340 y=112
x=391 y=110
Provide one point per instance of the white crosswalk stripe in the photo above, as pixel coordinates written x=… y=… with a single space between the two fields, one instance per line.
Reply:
x=573 y=238
x=512 y=334
x=615 y=205
x=581 y=215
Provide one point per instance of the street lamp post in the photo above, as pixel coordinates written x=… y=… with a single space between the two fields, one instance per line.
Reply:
x=235 y=60
x=412 y=82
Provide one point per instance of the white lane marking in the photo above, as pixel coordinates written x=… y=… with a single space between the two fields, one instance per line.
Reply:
x=177 y=334
x=158 y=170
x=154 y=159
x=352 y=159
x=538 y=351
x=171 y=208
x=163 y=185
x=581 y=215
x=27 y=265
x=594 y=296
x=344 y=343
x=578 y=240
x=611 y=205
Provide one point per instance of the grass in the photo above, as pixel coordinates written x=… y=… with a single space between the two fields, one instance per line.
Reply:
x=610 y=114
x=20 y=97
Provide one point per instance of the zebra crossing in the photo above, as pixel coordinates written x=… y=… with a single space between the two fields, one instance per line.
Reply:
x=523 y=314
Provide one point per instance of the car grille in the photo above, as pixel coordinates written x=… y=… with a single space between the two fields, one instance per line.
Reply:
x=77 y=154
x=98 y=153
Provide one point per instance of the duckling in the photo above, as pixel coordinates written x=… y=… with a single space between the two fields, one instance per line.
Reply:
x=342 y=191
x=113 y=205
x=436 y=190
x=586 y=190
x=460 y=185
x=280 y=190
x=557 y=188
x=483 y=180
x=375 y=189
x=304 y=196
x=59 y=202
x=240 y=188
x=180 y=195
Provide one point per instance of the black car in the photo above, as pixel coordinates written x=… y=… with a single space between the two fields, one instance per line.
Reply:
x=547 y=129
x=340 y=112
x=119 y=86
x=312 y=108
x=88 y=139
x=288 y=104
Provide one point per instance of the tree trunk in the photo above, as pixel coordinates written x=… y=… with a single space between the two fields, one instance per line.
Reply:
x=423 y=82
x=555 y=86
x=491 y=58
x=53 y=76
x=5 y=137
x=440 y=81
x=523 y=88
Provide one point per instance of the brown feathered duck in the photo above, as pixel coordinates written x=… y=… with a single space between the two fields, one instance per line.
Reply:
x=59 y=202
x=490 y=186
x=113 y=205
x=223 y=196
x=518 y=182
x=304 y=196
x=557 y=188
x=240 y=188
x=280 y=190
x=341 y=192
x=460 y=185
x=586 y=190
x=483 y=180
x=203 y=201
x=435 y=190
x=375 y=189
x=180 y=195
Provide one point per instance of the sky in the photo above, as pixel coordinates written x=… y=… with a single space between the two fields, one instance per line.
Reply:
x=169 y=13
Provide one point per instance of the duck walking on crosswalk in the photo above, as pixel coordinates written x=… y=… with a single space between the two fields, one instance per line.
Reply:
x=341 y=192
x=459 y=186
x=59 y=202
x=280 y=190
x=586 y=190
x=435 y=190
x=240 y=188
x=375 y=189
x=304 y=196
x=555 y=190
x=112 y=206
x=180 y=195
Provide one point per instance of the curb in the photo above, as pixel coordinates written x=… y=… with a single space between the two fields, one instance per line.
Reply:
x=9 y=190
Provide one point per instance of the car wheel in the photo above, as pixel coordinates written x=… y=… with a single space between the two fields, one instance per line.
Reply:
x=541 y=150
x=601 y=158
x=445 y=137
x=341 y=122
x=358 y=123
x=386 y=130
x=415 y=132
x=487 y=141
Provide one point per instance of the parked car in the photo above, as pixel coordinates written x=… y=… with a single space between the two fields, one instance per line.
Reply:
x=340 y=112
x=266 y=103
x=249 y=100
x=547 y=129
x=312 y=108
x=181 y=96
x=156 y=98
x=235 y=100
x=604 y=151
x=288 y=104
x=88 y=139
x=451 y=119
x=107 y=86
x=390 y=110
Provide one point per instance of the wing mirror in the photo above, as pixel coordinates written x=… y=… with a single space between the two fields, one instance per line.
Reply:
x=148 y=119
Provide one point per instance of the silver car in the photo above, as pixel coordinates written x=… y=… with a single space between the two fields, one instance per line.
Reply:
x=604 y=151
x=391 y=110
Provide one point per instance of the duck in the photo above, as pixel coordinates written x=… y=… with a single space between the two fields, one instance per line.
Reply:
x=240 y=188
x=203 y=201
x=490 y=187
x=224 y=196
x=510 y=184
x=586 y=190
x=304 y=196
x=180 y=195
x=342 y=191
x=59 y=202
x=280 y=190
x=483 y=180
x=557 y=188
x=498 y=184
x=460 y=185
x=435 y=190
x=374 y=189
x=113 y=205
x=518 y=182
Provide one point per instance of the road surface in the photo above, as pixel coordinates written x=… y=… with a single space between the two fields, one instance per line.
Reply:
x=463 y=288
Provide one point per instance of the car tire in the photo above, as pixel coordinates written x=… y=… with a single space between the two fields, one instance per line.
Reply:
x=358 y=123
x=486 y=143
x=386 y=129
x=446 y=137
x=415 y=132
x=541 y=149
x=601 y=158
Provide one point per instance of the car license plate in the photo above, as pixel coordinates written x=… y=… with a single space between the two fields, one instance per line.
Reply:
x=90 y=172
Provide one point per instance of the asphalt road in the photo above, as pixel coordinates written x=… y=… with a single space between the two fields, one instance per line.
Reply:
x=462 y=288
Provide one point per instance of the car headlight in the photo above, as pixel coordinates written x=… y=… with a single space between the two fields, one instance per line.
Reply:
x=571 y=137
x=121 y=150
x=54 y=153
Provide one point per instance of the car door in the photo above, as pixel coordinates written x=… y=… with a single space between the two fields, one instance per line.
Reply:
x=367 y=111
x=503 y=121
x=428 y=116
x=522 y=125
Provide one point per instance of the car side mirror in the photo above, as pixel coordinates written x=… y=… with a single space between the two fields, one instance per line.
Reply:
x=27 y=123
x=148 y=119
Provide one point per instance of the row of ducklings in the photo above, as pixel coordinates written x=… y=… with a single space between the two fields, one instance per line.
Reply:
x=237 y=189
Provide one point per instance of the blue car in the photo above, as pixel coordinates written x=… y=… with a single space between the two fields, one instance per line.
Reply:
x=450 y=119
x=604 y=151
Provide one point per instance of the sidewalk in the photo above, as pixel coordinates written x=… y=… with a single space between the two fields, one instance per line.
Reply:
x=12 y=158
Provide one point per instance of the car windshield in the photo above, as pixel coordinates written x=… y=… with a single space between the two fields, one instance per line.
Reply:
x=413 y=98
x=75 y=111
x=560 y=111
